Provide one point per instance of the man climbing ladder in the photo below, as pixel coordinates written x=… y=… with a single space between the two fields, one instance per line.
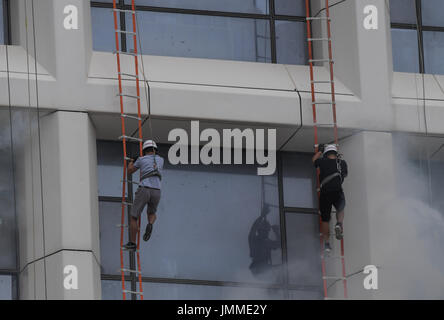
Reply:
x=148 y=193
x=333 y=171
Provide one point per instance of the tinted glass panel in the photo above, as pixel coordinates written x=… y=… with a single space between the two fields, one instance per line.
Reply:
x=403 y=11
x=246 y=6
x=7 y=210
x=299 y=173
x=197 y=36
x=432 y=13
x=209 y=214
x=405 y=50
x=5 y=287
x=291 y=42
x=111 y=290
x=290 y=7
x=2 y=26
x=103 y=29
x=433 y=52
x=110 y=214
x=304 y=263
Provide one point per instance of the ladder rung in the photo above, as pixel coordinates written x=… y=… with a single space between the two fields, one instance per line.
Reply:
x=127 y=203
x=322 y=81
x=325 y=125
x=320 y=60
x=133 y=292
x=128 y=75
x=125 y=249
x=121 y=225
x=324 y=102
x=127 y=159
x=333 y=278
x=129 y=270
x=124 y=31
x=332 y=257
x=123 y=10
x=125 y=53
x=318 y=39
x=318 y=18
x=130 y=138
x=128 y=96
x=130 y=117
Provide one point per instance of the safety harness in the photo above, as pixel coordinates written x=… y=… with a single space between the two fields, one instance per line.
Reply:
x=330 y=177
x=152 y=173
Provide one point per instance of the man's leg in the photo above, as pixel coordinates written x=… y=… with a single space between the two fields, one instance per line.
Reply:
x=151 y=218
x=136 y=210
x=151 y=212
x=339 y=205
x=134 y=225
x=325 y=208
x=325 y=230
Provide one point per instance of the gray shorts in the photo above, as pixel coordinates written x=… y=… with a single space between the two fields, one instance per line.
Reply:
x=145 y=196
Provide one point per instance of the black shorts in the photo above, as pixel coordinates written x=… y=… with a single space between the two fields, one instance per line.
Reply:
x=327 y=199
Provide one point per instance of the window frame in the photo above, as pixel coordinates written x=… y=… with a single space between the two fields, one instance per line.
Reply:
x=286 y=285
x=272 y=17
x=420 y=28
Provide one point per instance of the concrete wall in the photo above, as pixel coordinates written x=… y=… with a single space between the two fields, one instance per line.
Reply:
x=57 y=206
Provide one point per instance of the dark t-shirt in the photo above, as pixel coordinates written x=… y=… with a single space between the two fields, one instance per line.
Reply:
x=328 y=167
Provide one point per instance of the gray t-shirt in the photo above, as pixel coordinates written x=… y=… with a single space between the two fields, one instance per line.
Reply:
x=146 y=164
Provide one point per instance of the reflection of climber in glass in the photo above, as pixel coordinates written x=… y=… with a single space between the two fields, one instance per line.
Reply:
x=261 y=245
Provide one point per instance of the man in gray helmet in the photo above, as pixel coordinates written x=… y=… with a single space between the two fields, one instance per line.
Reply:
x=148 y=193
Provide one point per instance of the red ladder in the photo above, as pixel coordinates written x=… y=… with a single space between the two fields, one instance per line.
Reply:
x=310 y=19
x=124 y=116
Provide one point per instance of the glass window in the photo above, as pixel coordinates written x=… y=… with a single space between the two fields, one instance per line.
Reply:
x=2 y=24
x=244 y=6
x=6 y=287
x=110 y=215
x=304 y=263
x=433 y=52
x=299 y=174
x=103 y=29
x=111 y=290
x=230 y=33
x=405 y=50
x=290 y=7
x=291 y=44
x=225 y=217
x=199 y=36
x=432 y=13
x=7 y=211
x=403 y=11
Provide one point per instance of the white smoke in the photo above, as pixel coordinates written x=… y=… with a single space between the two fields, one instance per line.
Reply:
x=414 y=255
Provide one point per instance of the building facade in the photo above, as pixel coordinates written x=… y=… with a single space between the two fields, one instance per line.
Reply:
x=228 y=64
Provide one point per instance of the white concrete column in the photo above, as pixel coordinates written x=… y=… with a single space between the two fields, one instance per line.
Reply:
x=370 y=190
x=69 y=226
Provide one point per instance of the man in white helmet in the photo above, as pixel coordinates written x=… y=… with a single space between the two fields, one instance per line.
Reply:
x=148 y=193
x=332 y=173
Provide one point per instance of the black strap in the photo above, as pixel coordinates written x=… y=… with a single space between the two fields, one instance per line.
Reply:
x=152 y=173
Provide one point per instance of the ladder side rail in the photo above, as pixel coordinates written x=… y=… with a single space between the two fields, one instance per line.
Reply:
x=333 y=96
x=313 y=99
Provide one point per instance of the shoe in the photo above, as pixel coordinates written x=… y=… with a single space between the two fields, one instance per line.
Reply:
x=130 y=246
x=148 y=230
x=338 y=231
x=327 y=247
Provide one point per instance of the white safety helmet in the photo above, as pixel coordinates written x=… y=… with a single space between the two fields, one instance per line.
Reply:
x=329 y=148
x=149 y=144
